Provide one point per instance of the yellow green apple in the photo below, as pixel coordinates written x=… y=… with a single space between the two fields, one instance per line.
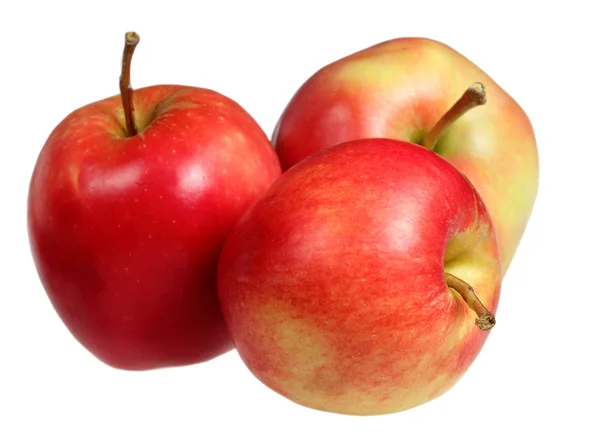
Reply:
x=410 y=89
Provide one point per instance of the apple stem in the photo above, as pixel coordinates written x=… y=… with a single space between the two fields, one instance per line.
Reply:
x=485 y=319
x=471 y=98
x=131 y=41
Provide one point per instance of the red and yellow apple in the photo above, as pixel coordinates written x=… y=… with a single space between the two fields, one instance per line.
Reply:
x=401 y=89
x=364 y=281
x=127 y=213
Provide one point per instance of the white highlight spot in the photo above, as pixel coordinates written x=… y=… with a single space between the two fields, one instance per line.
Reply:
x=192 y=180
x=115 y=180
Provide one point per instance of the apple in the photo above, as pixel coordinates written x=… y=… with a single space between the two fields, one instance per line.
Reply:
x=129 y=204
x=364 y=281
x=410 y=89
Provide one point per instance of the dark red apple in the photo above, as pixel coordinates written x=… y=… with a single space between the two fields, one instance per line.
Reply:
x=127 y=214
x=361 y=282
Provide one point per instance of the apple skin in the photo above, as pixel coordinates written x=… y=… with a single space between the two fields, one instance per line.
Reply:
x=126 y=231
x=332 y=284
x=399 y=89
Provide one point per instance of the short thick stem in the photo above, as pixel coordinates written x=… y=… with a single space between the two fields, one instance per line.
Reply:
x=131 y=41
x=485 y=319
x=473 y=97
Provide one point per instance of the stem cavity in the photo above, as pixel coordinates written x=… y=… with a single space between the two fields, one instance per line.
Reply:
x=473 y=97
x=131 y=41
x=485 y=319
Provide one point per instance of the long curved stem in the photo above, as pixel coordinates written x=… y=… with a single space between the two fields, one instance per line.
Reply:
x=485 y=319
x=131 y=41
x=473 y=97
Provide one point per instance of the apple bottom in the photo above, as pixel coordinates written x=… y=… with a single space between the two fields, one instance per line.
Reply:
x=363 y=350
x=174 y=329
x=149 y=301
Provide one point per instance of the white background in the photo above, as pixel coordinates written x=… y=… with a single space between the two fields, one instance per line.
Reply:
x=538 y=372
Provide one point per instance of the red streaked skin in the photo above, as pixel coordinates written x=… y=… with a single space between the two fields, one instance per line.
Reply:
x=399 y=89
x=126 y=231
x=333 y=287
